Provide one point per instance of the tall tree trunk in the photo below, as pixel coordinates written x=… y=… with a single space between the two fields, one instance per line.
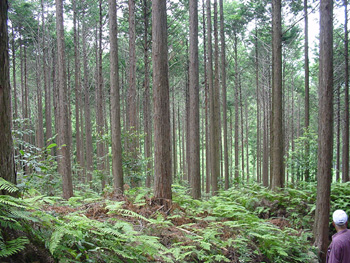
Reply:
x=7 y=167
x=345 y=158
x=54 y=89
x=77 y=88
x=99 y=103
x=277 y=145
x=88 y=129
x=325 y=129
x=187 y=166
x=213 y=176
x=338 y=117
x=242 y=128
x=132 y=114
x=265 y=172
x=47 y=89
x=40 y=121
x=306 y=68
x=194 y=146
x=117 y=168
x=214 y=146
x=236 y=110
x=64 y=164
x=247 y=140
x=258 y=109
x=162 y=148
x=206 y=105
x=15 y=100
x=40 y=118
x=216 y=105
x=224 y=95
x=147 y=103
x=174 y=136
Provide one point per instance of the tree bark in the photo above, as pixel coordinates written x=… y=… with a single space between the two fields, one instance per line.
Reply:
x=15 y=100
x=345 y=158
x=338 y=117
x=277 y=145
x=236 y=125
x=64 y=163
x=147 y=103
x=325 y=129
x=132 y=114
x=258 y=110
x=162 y=153
x=99 y=103
x=224 y=95
x=194 y=146
x=214 y=165
x=206 y=105
x=77 y=89
x=117 y=168
x=307 y=96
x=88 y=132
x=7 y=167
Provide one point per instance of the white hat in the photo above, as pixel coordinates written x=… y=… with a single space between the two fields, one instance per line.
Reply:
x=340 y=217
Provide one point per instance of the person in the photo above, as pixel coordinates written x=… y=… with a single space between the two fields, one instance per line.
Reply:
x=339 y=249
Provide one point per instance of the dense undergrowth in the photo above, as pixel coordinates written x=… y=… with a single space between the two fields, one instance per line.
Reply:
x=247 y=223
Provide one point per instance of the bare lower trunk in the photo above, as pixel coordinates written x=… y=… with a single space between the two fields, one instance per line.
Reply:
x=64 y=164
x=7 y=167
x=162 y=153
x=325 y=129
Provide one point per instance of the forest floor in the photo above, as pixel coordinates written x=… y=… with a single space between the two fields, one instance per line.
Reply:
x=250 y=224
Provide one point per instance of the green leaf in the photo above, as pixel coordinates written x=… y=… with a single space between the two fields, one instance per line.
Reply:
x=51 y=146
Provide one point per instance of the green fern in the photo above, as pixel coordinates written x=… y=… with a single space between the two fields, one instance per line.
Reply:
x=12 y=247
x=7 y=186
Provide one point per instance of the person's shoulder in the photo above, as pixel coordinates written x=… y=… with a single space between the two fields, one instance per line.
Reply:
x=341 y=237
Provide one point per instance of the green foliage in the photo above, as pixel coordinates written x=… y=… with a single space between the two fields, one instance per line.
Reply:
x=11 y=214
x=340 y=193
x=77 y=237
x=38 y=166
x=299 y=161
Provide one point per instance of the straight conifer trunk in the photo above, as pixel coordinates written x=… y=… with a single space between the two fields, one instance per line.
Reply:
x=216 y=105
x=15 y=113
x=194 y=148
x=7 y=165
x=147 y=103
x=258 y=107
x=325 y=129
x=64 y=164
x=224 y=95
x=277 y=145
x=345 y=159
x=162 y=147
x=132 y=114
x=236 y=125
x=306 y=69
x=117 y=168
x=77 y=86
x=99 y=102
x=88 y=132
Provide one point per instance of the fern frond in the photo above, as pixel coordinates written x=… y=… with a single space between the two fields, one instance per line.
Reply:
x=12 y=247
x=128 y=213
x=7 y=186
x=11 y=201
x=7 y=222
x=56 y=238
